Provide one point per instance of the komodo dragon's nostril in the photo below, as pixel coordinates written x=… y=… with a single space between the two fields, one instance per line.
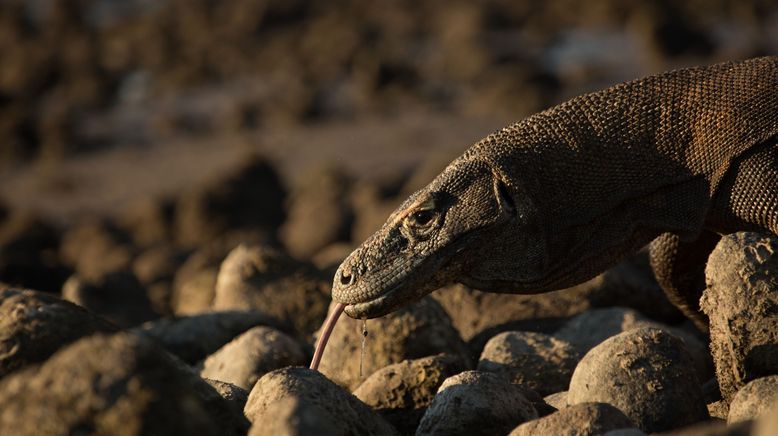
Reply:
x=346 y=278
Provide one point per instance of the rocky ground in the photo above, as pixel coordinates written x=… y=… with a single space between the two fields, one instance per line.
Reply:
x=179 y=179
x=192 y=316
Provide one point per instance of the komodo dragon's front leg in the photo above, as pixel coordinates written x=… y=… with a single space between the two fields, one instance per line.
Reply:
x=559 y=197
x=746 y=200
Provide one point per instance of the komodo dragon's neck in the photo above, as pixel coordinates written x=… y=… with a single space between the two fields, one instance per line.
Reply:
x=599 y=150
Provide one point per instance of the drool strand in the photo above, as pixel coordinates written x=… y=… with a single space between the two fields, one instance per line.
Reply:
x=364 y=340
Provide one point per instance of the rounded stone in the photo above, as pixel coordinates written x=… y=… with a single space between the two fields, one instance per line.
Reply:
x=585 y=419
x=646 y=373
x=258 y=277
x=402 y=391
x=319 y=213
x=755 y=399
x=540 y=362
x=557 y=400
x=250 y=197
x=192 y=338
x=251 y=355
x=95 y=248
x=235 y=396
x=113 y=384
x=33 y=325
x=415 y=331
x=766 y=425
x=117 y=296
x=194 y=284
x=592 y=327
x=740 y=301
x=303 y=401
x=476 y=403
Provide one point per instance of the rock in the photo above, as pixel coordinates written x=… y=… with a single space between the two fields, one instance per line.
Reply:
x=96 y=248
x=766 y=425
x=714 y=428
x=117 y=296
x=302 y=401
x=402 y=391
x=557 y=400
x=543 y=313
x=261 y=278
x=192 y=338
x=371 y=205
x=581 y=419
x=718 y=409
x=540 y=362
x=590 y=328
x=34 y=325
x=155 y=268
x=740 y=301
x=596 y=325
x=249 y=198
x=330 y=257
x=646 y=373
x=319 y=213
x=118 y=384
x=28 y=247
x=158 y=264
x=148 y=222
x=626 y=432
x=234 y=395
x=194 y=285
x=476 y=403
x=251 y=355
x=412 y=332
x=753 y=400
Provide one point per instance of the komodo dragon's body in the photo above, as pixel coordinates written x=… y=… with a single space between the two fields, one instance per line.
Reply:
x=679 y=158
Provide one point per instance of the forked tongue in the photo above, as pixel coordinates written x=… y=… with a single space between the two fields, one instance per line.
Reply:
x=329 y=324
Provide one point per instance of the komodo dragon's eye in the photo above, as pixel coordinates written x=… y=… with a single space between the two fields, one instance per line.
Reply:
x=422 y=217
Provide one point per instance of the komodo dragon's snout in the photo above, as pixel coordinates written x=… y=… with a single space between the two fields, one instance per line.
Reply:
x=427 y=242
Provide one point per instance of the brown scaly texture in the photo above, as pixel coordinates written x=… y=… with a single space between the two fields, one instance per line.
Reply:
x=555 y=199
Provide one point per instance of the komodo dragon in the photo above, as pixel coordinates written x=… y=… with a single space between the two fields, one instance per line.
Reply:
x=551 y=201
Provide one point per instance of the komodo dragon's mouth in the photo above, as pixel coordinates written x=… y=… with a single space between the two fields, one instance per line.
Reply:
x=374 y=308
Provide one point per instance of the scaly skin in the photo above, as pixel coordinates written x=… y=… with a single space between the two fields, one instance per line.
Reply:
x=559 y=197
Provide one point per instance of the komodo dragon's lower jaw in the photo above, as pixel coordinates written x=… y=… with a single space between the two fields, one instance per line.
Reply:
x=401 y=294
x=374 y=308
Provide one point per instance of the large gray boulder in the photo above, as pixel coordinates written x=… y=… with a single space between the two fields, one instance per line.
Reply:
x=540 y=362
x=33 y=325
x=585 y=419
x=401 y=392
x=755 y=399
x=251 y=355
x=119 y=384
x=646 y=373
x=740 y=301
x=476 y=403
x=300 y=401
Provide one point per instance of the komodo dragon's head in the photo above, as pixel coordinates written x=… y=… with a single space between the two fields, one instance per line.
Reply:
x=469 y=225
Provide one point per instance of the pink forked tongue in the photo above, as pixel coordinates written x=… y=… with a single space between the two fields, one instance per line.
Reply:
x=329 y=324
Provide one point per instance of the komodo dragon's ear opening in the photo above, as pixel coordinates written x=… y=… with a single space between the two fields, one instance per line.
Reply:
x=504 y=197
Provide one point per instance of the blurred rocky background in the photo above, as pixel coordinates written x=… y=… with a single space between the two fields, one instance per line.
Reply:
x=193 y=170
